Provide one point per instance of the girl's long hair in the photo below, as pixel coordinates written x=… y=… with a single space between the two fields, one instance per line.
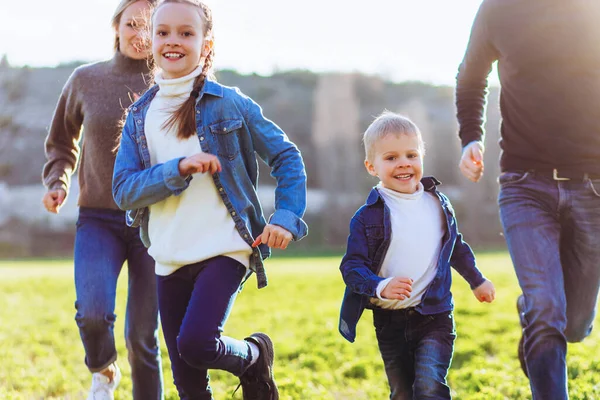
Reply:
x=183 y=118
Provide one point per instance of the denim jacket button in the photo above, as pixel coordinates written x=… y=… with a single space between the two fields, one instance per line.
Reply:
x=233 y=213
x=197 y=111
x=224 y=129
x=134 y=108
x=201 y=137
x=220 y=189
x=245 y=236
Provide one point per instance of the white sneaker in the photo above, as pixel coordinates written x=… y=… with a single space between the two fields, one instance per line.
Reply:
x=101 y=388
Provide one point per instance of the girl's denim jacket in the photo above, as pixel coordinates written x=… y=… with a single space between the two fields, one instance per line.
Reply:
x=231 y=126
x=369 y=239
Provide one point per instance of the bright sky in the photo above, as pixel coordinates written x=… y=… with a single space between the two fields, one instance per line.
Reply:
x=399 y=39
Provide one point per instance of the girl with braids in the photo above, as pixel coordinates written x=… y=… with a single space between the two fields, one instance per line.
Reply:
x=186 y=170
x=89 y=110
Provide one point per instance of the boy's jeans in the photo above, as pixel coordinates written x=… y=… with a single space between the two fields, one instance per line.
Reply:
x=416 y=351
x=552 y=229
x=195 y=302
x=103 y=242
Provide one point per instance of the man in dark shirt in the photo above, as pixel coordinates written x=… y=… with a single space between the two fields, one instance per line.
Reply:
x=549 y=67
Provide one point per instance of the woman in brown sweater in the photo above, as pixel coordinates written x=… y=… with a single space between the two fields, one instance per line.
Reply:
x=91 y=106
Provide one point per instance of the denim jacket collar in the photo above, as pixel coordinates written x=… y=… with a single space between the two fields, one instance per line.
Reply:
x=429 y=184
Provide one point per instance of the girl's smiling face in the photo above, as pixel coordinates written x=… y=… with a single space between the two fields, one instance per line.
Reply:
x=178 y=40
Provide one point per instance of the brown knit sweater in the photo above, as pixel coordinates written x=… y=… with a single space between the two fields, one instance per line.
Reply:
x=91 y=106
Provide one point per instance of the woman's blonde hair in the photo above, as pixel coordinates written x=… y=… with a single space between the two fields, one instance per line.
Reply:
x=116 y=18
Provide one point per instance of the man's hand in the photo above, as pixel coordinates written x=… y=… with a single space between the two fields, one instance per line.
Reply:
x=201 y=162
x=397 y=289
x=54 y=199
x=274 y=236
x=471 y=162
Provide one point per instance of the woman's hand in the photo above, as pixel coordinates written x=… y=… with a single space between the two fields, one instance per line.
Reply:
x=53 y=200
x=274 y=236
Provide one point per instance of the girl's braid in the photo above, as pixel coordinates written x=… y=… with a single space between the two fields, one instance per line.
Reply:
x=208 y=61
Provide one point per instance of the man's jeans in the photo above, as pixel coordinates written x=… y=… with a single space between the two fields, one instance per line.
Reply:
x=416 y=351
x=195 y=302
x=552 y=229
x=103 y=242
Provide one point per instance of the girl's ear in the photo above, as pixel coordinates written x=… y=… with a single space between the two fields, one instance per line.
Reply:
x=207 y=46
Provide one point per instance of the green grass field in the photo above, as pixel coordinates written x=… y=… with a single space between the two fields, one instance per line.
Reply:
x=42 y=358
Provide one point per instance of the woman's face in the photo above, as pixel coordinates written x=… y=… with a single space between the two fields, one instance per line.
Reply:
x=130 y=31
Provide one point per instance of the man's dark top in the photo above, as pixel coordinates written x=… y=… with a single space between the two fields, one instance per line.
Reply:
x=548 y=54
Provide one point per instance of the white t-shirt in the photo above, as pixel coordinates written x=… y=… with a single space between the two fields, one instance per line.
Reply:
x=195 y=225
x=418 y=227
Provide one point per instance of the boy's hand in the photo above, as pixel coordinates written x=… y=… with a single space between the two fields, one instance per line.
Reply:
x=201 y=162
x=54 y=199
x=471 y=162
x=397 y=289
x=485 y=292
x=274 y=236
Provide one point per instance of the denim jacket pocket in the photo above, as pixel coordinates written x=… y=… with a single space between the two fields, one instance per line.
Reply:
x=374 y=235
x=512 y=177
x=226 y=137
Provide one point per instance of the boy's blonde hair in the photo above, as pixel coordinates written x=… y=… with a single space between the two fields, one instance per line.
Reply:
x=389 y=123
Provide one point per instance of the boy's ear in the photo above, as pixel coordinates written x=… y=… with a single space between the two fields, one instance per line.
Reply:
x=370 y=168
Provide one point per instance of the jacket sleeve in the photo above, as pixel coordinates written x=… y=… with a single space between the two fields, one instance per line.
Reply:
x=287 y=167
x=133 y=186
x=471 y=81
x=463 y=261
x=355 y=266
x=62 y=143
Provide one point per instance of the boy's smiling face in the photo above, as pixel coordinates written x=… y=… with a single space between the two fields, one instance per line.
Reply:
x=397 y=162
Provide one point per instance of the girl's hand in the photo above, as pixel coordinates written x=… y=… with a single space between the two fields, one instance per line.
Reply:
x=485 y=292
x=201 y=162
x=53 y=200
x=397 y=289
x=274 y=236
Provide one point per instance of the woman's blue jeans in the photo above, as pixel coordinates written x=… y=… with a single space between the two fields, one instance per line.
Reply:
x=103 y=242
x=552 y=229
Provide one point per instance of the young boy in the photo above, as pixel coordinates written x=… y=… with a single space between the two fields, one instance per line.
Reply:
x=402 y=243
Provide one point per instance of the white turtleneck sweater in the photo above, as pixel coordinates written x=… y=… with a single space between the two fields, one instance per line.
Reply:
x=195 y=225
x=418 y=227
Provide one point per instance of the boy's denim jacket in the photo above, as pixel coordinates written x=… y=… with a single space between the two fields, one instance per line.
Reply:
x=369 y=239
x=231 y=126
